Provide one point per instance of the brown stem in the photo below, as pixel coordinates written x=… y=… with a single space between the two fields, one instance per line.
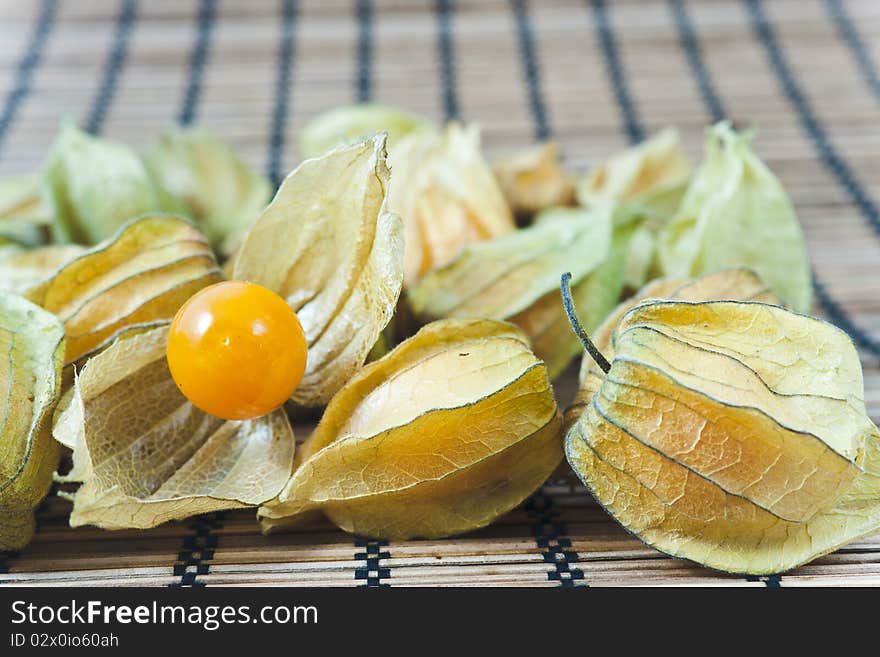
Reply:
x=568 y=304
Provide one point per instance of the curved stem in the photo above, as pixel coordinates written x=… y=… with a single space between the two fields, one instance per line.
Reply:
x=568 y=303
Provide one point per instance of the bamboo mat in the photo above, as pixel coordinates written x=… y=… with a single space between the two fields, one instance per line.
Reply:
x=595 y=75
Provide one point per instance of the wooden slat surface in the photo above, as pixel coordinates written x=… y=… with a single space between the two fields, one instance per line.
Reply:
x=809 y=82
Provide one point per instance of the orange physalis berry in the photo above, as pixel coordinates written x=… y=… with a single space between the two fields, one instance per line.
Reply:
x=236 y=350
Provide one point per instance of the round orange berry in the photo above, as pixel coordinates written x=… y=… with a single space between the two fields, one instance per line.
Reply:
x=236 y=350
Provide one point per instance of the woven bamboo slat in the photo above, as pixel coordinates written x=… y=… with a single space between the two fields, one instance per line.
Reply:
x=256 y=71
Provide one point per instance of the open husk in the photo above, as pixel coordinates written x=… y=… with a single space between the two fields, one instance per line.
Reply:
x=144 y=455
x=328 y=245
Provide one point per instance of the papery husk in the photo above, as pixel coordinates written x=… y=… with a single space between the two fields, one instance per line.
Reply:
x=142 y=274
x=353 y=123
x=515 y=277
x=20 y=199
x=33 y=342
x=737 y=213
x=534 y=179
x=651 y=176
x=328 y=245
x=447 y=196
x=650 y=179
x=23 y=216
x=222 y=193
x=729 y=284
x=731 y=433
x=144 y=455
x=640 y=260
x=451 y=429
x=93 y=186
x=21 y=271
x=10 y=249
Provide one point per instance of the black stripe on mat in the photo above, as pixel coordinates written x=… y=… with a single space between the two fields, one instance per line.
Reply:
x=197 y=551
x=194 y=558
x=839 y=317
x=368 y=551
x=364 y=73
x=289 y=13
x=549 y=533
x=773 y=581
x=833 y=161
x=197 y=61
x=444 y=10
x=27 y=65
x=770 y=581
x=125 y=23
x=691 y=46
x=690 y=43
x=840 y=170
x=372 y=572
x=632 y=125
x=850 y=35
x=531 y=68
